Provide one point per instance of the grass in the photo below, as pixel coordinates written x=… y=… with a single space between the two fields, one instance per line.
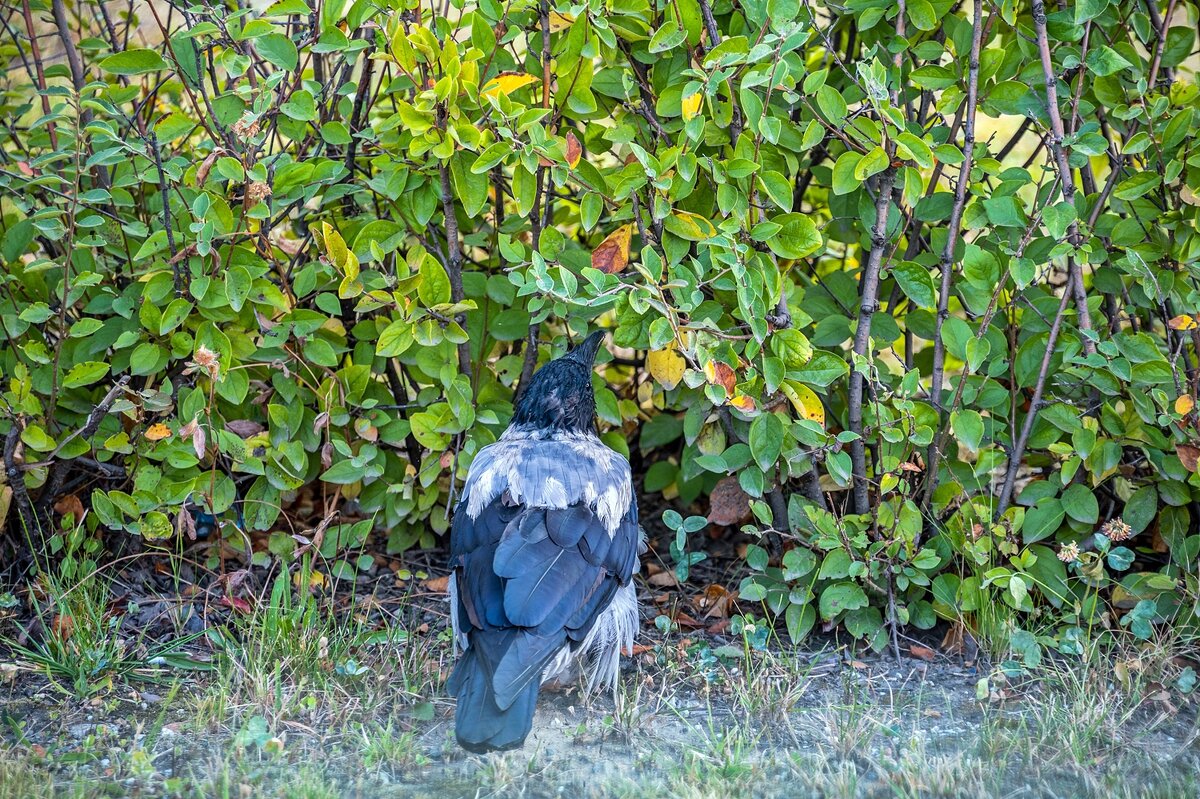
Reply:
x=337 y=697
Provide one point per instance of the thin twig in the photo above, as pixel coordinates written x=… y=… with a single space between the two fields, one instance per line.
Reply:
x=1057 y=134
x=862 y=336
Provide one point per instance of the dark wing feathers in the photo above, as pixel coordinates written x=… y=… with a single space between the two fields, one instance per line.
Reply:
x=542 y=576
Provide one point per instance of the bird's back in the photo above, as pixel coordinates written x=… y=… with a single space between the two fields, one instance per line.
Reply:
x=543 y=546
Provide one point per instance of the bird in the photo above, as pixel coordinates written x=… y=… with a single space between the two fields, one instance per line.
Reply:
x=543 y=548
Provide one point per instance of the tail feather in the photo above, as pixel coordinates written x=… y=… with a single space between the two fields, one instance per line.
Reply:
x=479 y=723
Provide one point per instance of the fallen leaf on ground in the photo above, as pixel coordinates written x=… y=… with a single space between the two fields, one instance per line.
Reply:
x=437 y=585
x=729 y=505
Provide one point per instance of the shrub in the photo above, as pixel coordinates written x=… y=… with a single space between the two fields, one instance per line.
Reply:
x=920 y=276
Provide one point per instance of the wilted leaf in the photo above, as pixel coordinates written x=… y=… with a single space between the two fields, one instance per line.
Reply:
x=691 y=106
x=1184 y=404
x=157 y=432
x=1183 y=322
x=612 y=254
x=1189 y=455
x=728 y=503
x=559 y=21
x=574 y=149
x=805 y=401
x=743 y=403
x=437 y=585
x=721 y=374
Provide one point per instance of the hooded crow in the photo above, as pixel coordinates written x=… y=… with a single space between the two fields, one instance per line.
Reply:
x=543 y=547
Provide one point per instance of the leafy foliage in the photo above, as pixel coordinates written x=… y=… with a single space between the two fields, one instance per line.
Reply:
x=921 y=275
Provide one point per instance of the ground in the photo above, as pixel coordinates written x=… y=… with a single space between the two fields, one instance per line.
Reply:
x=310 y=714
x=182 y=682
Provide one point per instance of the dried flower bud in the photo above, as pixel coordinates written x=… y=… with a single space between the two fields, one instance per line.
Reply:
x=1117 y=530
x=1069 y=553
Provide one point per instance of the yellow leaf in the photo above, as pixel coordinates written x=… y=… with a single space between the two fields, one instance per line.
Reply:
x=1183 y=322
x=1184 y=405
x=157 y=432
x=691 y=106
x=315 y=579
x=559 y=22
x=666 y=366
x=507 y=82
x=695 y=225
x=743 y=403
x=805 y=401
x=612 y=254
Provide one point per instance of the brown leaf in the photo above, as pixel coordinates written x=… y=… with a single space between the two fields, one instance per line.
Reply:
x=721 y=374
x=719 y=628
x=236 y=603
x=437 y=585
x=729 y=505
x=63 y=626
x=69 y=504
x=244 y=427
x=1189 y=455
x=686 y=622
x=185 y=524
x=717 y=600
x=959 y=641
x=1183 y=322
x=612 y=254
x=922 y=652
x=574 y=149
x=663 y=579
x=206 y=166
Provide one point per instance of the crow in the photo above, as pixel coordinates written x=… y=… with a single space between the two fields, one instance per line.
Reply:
x=543 y=547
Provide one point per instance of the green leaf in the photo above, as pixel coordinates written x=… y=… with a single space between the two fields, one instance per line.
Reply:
x=134 y=62
x=1141 y=508
x=1105 y=61
x=1080 y=504
x=278 y=49
x=922 y=15
x=300 y=106
x=1089 y=9
x=766 y=440
x=84 y=374
x=800 y=620
x=797 y=237
x=434 y=288
x=844 y=180
x=841 y=597
x=1139 y=184
x=395 y=339
x=916 y=283
x=1042 y=520
x=968 y=428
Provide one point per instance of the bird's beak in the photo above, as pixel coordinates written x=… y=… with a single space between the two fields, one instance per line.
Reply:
x=585 y=353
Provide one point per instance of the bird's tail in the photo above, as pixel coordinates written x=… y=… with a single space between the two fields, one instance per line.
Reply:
x=480 y=724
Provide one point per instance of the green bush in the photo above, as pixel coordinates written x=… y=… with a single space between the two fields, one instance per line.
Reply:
x=921 y=276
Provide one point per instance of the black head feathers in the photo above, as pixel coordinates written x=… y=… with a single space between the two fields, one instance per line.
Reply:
x=559 y=395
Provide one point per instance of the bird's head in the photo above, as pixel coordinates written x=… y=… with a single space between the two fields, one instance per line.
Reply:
x=559 y=395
